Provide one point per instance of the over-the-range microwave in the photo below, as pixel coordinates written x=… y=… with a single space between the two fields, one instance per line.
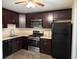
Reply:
x=36 y=23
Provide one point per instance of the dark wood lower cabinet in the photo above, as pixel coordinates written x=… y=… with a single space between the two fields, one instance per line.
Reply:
x=16 y=44
x=12 y=45
x=7 y=47
x=45 y=46
x=24 y=42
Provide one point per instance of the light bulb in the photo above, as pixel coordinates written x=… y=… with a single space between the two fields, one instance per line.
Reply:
x=30 y=5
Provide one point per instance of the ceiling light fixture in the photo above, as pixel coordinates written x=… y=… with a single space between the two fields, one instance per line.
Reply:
x=30 y=5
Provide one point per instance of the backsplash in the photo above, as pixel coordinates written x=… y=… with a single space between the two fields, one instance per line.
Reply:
x=26 y=31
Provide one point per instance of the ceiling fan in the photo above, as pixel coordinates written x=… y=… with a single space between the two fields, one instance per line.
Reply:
x=31 y=3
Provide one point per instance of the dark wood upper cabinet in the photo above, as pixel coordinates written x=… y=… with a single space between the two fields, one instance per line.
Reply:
x=45 y=22
x=9 y=17
x=62 y=14
x=32 y=16
x=15 y=19
x=28 y=21
x=5 y=18
x=65 y=14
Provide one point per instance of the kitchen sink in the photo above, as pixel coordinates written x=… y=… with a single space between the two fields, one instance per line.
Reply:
x=12 y=35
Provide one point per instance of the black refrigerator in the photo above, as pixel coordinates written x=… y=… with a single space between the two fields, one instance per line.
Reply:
x=61 y=40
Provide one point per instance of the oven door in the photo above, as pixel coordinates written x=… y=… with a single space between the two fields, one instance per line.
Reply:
x=34 y=49
x=33 y=45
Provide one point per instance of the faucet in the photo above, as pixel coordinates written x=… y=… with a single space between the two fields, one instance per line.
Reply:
x=12 y=32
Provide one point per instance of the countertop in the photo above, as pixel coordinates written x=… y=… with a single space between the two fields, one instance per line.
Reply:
x=8 y=37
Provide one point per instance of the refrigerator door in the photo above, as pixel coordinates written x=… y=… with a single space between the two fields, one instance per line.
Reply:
x=61 y=37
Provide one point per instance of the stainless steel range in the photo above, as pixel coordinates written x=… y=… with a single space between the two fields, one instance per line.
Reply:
x=34 y=41
x=33 y=44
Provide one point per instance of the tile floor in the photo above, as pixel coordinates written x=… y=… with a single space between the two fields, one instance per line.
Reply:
x=24 y=54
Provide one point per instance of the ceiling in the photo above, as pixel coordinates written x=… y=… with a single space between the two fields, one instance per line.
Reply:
x=49 y=5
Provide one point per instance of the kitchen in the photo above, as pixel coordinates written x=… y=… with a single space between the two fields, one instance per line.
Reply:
x=33 y=34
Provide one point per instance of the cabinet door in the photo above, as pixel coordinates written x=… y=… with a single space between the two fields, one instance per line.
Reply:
x=15 y=44
x=19 y=42
x=45 y=46
x=7 y=48
x=15 y=19
x=46 y=21
x=9 y=17
x=12 y=45
x=4 y=23
x=24 y=42
x=5 y=18
x=63 y=14
x=28 y=21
